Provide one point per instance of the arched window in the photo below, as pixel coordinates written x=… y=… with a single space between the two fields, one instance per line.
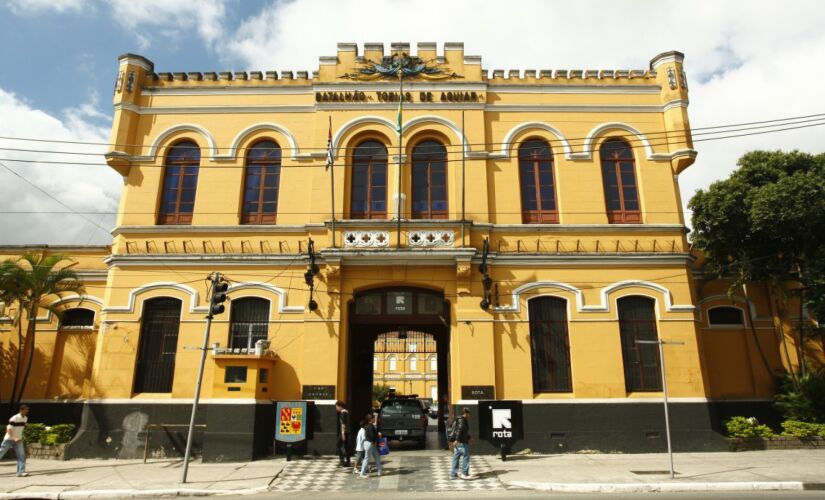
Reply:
x=249 y=322
x=369 y=181
x=619 y=177
x=374 y=363
x=429 y=181
x=413 y=364
x=549 y=344
x=393 y=364
x=158 y=345
x=725 y=316
x=77 y=318
x=538 y=187
x=433 y=363
x=263 y=178
x=637 y=321
x=180 y=181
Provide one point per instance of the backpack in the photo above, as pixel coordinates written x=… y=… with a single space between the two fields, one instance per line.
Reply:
x=452 y=434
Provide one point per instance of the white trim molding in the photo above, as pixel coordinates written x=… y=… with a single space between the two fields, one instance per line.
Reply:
x=283 y=308
x=160 y=285
x=506 y=143
x=604 y=306
x=587 y=147
x=232 y=153
x=183 y=127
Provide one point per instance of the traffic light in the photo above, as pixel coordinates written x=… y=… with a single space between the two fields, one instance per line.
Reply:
x=219 y=288
x=309 y=276
x=486 y=280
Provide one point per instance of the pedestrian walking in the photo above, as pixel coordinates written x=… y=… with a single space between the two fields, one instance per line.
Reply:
x=343 y=445
x=14 y=439
x=371 y=436
x=359 y=448
x=460 y=437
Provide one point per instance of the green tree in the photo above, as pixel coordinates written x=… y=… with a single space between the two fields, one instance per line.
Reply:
x=380 y=392
x=34 y=282
x=766 y=223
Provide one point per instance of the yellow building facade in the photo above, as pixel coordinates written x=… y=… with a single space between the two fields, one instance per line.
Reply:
x=529 y=221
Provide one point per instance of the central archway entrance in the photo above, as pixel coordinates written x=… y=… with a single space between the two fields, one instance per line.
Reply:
x=409 y=329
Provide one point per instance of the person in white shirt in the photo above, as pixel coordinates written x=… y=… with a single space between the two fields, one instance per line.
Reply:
x=14 y=439
x=359 y=448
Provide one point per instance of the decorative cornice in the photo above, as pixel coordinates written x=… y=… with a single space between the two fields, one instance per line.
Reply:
x=547 y=229
x=526 y=88
x=591 y=259
x=190 y=260
x=241 y=228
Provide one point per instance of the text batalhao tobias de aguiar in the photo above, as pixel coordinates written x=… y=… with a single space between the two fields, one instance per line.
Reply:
x=390 y=96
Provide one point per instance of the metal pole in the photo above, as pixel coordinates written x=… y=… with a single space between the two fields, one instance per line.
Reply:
x=463 y=197
x=332 y=188
x=667 y=416
x=398 y=190
x=187 y=455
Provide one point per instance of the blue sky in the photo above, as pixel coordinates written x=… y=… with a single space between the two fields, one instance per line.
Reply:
x=746 y=60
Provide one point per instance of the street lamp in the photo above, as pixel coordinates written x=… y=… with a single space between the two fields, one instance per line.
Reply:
x=661 y=343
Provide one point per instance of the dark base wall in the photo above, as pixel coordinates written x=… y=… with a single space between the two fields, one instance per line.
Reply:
x=627 y=427
x=233 y=432
x=242 y=432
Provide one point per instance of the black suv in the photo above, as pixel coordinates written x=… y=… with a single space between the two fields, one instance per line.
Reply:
x=403 y=418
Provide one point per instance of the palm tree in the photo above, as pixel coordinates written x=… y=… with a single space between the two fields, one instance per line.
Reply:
x=34 y=281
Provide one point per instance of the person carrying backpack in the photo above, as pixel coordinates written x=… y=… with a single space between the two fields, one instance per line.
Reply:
x=371 y=436
x=459 y=435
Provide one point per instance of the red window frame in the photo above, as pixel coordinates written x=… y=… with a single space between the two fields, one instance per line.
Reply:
x=264 y=158
x=617 y=159
x=642 y=366
x=532 y=155
x=185 y=158
x=374 y=161
x=423 y=164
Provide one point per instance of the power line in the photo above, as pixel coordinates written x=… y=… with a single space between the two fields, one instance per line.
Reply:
x=323 y=148
x=641 y=145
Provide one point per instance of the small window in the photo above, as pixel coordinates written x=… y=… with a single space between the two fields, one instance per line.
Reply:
x=413 y=364
x=368 y=304
x=433 y=363
x=78 y=318
x=263 y=375
x=430 y=304
x=393 y=364
x=374 y=363
x=726 y=316
x=234 y=375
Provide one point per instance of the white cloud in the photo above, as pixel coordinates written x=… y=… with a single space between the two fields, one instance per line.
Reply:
x=746 y=60
x=174 y=18
x=31 y=7
x=88 y=188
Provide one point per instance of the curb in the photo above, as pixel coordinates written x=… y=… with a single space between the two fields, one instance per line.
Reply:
x=665 y=487
x=164 y=492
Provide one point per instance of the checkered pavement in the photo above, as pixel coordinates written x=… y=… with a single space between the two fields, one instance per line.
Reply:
x=417 y=473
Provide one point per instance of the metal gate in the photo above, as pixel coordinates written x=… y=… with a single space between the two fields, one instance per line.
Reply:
x=158 y=345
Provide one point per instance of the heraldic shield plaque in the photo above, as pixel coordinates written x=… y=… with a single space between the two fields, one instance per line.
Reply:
x=291 y=426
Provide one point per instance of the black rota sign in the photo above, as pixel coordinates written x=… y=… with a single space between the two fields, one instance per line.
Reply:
x=501 y=424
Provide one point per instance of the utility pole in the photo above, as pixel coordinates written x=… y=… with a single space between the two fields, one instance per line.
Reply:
x=661 y=344
x=217 y=297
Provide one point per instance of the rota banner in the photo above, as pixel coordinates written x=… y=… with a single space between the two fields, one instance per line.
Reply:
x=292 y=418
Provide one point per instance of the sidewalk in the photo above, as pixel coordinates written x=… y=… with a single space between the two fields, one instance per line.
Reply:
x=742 y=471
x=133 y=478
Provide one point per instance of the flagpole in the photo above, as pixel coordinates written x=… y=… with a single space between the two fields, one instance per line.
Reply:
x=331 y=165
x=400 y=104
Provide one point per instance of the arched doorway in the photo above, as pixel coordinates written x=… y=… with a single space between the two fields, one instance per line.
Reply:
x=406 y=319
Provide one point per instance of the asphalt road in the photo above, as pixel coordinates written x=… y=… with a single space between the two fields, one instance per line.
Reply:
x=530 y=495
